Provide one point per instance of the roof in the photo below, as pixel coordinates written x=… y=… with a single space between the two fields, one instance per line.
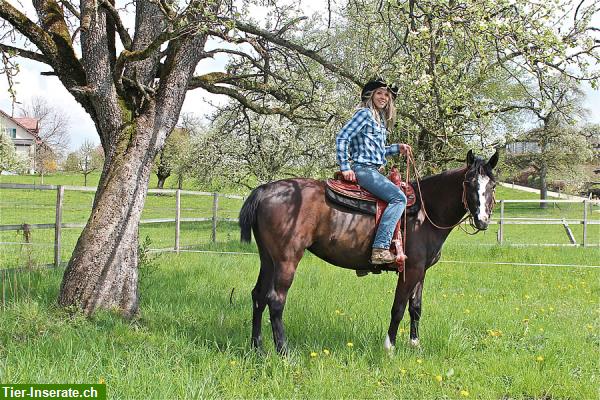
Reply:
x=30 y=123
x=25 y=123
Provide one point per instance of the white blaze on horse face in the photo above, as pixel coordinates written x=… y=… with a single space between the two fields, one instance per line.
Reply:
x=482 y=181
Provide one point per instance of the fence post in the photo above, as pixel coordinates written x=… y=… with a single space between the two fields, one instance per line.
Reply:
x=60 y=190
x=177 y=218
x=214 y=216
x=501 y=229
x=585 y=222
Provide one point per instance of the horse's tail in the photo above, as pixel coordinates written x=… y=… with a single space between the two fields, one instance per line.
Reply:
x=248 y=213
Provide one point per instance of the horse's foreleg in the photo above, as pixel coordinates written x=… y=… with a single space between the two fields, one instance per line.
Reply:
x=403 y=291
x=414 y=309
x=284 y=275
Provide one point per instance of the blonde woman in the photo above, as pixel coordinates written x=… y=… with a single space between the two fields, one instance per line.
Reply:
x=362 y=140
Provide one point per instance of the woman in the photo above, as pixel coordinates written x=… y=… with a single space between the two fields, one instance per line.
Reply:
x=362 y=140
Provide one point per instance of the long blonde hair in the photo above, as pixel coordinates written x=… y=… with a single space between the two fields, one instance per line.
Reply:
x=389 y=112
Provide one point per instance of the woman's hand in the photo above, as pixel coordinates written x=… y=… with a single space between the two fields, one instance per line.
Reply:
x=349 y=175
x=405 y=149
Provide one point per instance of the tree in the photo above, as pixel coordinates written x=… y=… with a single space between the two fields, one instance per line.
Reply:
x=172 y=158
x=245 y=148
x=288 y=66
x=89 y=158
x=53 y=124
x=45 y=159
x=134 y=97
x=10 y=160
x=560 y=147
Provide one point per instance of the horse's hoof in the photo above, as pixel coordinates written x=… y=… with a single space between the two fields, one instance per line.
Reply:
x=415 y=342
x=387 y=344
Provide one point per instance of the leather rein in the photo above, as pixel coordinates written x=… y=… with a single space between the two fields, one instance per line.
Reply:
x=469 y=216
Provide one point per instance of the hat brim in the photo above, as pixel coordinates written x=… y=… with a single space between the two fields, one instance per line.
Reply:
x=376 y=84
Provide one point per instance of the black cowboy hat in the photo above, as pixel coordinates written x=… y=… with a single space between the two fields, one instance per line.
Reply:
x=376 y=83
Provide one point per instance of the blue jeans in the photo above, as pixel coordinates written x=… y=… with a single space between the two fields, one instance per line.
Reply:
x=381 y=187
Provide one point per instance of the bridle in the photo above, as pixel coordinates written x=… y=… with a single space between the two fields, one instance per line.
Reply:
x=469 y=216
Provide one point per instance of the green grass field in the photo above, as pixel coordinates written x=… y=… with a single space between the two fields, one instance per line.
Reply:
x=488 y=331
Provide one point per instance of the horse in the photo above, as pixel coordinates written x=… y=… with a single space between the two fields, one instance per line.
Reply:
x=291 y=215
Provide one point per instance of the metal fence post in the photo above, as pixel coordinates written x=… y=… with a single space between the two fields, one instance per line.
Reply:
x=585 y=222
x=60 y=191
x=214 y=216
x=177 y=218
x=501 y=228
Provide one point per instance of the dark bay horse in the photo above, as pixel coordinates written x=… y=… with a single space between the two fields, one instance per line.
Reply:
x=292 y=215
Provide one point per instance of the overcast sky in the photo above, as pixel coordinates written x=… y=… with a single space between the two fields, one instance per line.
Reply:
x=29 y=83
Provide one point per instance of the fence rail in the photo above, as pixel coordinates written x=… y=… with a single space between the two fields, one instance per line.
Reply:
x=58 y=225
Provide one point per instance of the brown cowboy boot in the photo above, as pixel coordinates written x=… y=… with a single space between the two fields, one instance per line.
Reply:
x=400 y=256
x=382 y=256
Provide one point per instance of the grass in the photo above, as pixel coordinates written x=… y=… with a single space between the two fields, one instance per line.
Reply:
x=494 y=332
x=488 y=331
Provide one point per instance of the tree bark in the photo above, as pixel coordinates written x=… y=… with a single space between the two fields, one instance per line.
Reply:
x=161 y=182
x=543 y=186
x=103 y=270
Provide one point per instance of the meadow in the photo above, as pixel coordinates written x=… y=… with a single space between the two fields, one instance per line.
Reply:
x=487 y=331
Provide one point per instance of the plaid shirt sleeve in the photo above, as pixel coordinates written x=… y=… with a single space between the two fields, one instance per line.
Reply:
x=392 y=150
x=343 y=139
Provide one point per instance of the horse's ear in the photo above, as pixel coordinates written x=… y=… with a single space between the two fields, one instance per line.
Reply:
x=470 y=158
x=493 y=160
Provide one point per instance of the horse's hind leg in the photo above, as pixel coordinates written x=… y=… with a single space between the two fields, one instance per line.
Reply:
x=284 y=275
x=414 y=309
x=263 y=285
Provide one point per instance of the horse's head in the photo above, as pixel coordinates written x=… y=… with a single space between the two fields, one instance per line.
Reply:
x=479 y=188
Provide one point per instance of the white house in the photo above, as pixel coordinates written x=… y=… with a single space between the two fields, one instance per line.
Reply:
x=24 y=134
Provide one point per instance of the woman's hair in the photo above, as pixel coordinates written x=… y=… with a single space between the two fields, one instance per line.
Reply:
x=389 y=112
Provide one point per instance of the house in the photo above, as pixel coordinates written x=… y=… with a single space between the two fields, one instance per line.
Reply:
x=523 y=147
x=24 y=133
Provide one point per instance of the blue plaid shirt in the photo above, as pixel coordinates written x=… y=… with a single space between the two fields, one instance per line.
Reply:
x=365 y=139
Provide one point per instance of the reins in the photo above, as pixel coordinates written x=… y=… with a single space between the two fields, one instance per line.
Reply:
x=410 y=158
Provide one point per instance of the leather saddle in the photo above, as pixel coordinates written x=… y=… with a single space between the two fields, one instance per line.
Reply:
x=352 y=196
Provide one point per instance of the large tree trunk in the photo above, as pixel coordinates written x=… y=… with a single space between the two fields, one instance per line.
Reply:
x=543 y=186
x=102 y=272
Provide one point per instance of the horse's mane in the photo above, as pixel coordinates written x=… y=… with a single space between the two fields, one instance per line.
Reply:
x=478 y=163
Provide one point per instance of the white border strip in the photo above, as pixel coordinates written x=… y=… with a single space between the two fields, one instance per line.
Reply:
x=519 y=264
x=442 y=261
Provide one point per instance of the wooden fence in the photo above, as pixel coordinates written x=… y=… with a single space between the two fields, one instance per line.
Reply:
x=58 y=225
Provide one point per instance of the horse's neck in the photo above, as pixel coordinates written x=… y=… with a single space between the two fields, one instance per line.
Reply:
x=442 y=195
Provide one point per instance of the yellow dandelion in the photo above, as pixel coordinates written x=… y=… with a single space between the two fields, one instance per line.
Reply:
x=542 y=310
x=467 y=311
x=551 y=308
x=338 y=312
x=464 y=393
x=539 y=358
x=313 y=354
x=444 y=295
x=350 y=344
x=419 y=361
x=438 y=378
x=401 y=330
x=326 y=352
x=232 y=362
x=402 y=371
x=525 y=320
x=517 y=308
x=101 y=381
x=494 y=333
x=589 y=327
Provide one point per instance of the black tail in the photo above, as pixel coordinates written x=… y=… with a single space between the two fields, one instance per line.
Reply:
x=248 y=214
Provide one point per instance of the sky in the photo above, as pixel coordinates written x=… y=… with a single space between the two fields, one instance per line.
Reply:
x=29 y=83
